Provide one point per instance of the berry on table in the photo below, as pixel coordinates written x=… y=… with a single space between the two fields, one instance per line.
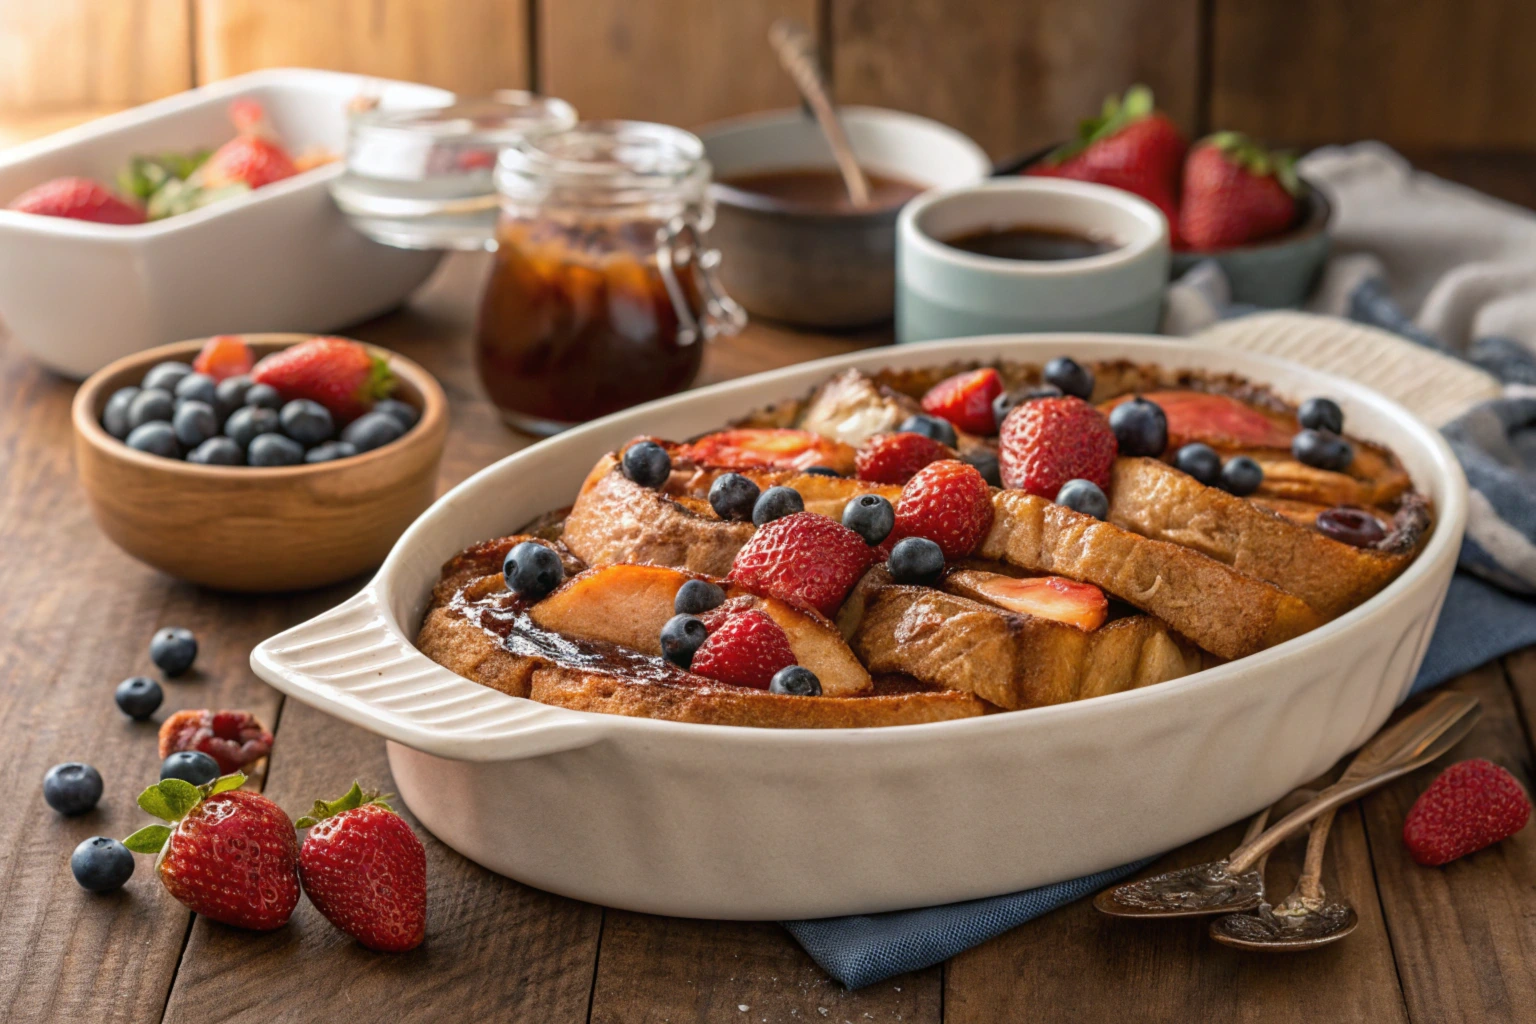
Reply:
x=795 y=681
x=1084 y=496
x=114 y=417
x=896 y=458
x=1241 y=476
x=681 y=637
x=871 y=517
x=164 y=376
x=965 y=400
x=192 y=766
x=197 y=387
x=72 y=787
x=263 y=396
x=156 y=438
x=532 y=570
x=647 y=464
x=248 y=423
x=1471 y=805
x=307 y=422
x=1070 y=376
x=1046 y=442
x=217 y=451
x=194 y=423
x=152 y=405
x=733 y=496
x=138 y=697
x=101 y=864
x=776 y=503
x=234 y=739
x=1321 y=414
x=1140 y=427
x=1322 y=450
x=373 y=430
x=1200 y=461
x=916 y=560
x=695 y=597
x=173 y=650
x=933 y=427
x=274 y=450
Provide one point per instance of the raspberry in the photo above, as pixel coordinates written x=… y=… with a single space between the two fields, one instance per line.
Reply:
x=1049 y=441
x=232 y=738
x=894 y=458
x=803 y=559
x=966 y=400
x=744 y=648
x=1471 y=805
x=949 y=503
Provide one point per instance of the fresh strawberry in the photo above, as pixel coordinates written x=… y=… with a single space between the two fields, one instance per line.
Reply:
x=341 y=375
x=804 y=559
x=966 y=400
x=224 y=356
x=232 y=738
x=227 y=854
x=1221 y=421
x=1131 y=146
x=894 y=458
x=1236 y=192
x=1047 y=597
x=366 y=871
x=1471 y=805
x=744 y=647
x=252 y=158
x=767 y=448
x=949 y=503
x=1049 y=441
x=77 y=199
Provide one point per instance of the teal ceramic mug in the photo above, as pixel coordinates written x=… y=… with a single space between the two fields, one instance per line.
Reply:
x=947 y=292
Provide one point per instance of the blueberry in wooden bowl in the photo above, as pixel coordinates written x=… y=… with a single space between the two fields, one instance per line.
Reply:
x=237 y=485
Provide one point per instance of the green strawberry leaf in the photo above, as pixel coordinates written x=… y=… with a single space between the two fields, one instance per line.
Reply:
x=350 y=800
x=149 y=839
x=1116 y=114
x=1257 y=160
x=225 y=783
x=170 y=799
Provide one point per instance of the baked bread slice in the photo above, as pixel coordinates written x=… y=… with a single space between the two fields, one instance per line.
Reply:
x=1223 y=610
x=1155 y=500
x=1011 y=660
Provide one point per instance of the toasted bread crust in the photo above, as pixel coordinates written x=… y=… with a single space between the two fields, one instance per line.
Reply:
x=1227 y=612
x=1155 y=500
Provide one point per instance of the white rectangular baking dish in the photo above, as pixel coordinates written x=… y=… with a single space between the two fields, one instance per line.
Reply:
x=722 y=822
x=79 y=295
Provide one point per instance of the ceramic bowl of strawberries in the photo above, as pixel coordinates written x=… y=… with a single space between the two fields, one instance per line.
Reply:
x=259 y=463
x=1226 y=197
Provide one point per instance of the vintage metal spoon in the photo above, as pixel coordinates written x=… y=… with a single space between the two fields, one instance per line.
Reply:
x=797 y=53
x=1235 y=884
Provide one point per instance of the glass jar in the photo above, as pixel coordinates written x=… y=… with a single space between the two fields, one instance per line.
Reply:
x=602 y=293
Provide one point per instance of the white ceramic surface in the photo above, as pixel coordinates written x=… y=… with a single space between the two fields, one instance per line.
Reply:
x=714 y=821
x=944 y=292
x=281 y=258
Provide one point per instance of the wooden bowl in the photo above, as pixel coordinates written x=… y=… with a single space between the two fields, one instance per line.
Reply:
x=257 y=529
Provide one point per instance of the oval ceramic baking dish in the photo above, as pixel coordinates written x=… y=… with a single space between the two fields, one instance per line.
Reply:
x=723 y=822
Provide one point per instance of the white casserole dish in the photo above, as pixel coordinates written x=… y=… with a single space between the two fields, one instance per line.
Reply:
x=79 y=295
x=722 y=822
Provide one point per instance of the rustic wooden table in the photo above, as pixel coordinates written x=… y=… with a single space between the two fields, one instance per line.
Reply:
x=76 y=614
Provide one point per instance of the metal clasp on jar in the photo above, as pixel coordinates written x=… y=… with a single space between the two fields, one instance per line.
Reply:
x=680 y=247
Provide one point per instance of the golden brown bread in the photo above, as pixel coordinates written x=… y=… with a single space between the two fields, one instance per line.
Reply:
x=1013 y=661
x=1155 y=500
x=1225 y=611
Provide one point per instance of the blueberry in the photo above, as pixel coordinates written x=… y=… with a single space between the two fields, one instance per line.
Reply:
x=985 y=461
x=796 y=681
x=307 y=422
x=195 y=423
x=695 y=597
x=1321 y=414
x=114 y=418
x=1083 y=496
x=263 y=396
x=1322 y=450
x=733 y=496
x=192 y=766
x=197 y=387
x=1199 y=461
x=940 y=430
x=372 y=430
x=330 y=451
x=402 y=413
x=165 y=375
x=916 y=560
x=820 y=471
x=1241 y=476
x=1354 y=526
x=274 y=450
x=249 y=422
x=532 y=570
x=230 y=393
x=101 y=864
x=1004 y=403
x=156 y=439
x=72 y=787
x=138 y=697
x=871 y=517
x=776 y=503
x=647 y=464
x=1070 y=376
x=152 y=405
x=1140 y=427
x=681 y=637
x=173 y=650
x=217 y=451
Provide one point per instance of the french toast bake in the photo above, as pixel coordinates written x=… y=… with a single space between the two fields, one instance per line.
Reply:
x=922 y=545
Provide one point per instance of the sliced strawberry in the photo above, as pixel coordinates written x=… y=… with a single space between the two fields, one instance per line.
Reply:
x=77 y=199
x=1046 y=597
x=1046 y=442
x=744 y=648
x=803 y=559
x=1221 y=421
x=966 y=400
x=224 y=356
x=949 y=503
x=895 y=458
x=768 y=448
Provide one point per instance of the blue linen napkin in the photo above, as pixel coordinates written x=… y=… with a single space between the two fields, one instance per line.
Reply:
x=1489 y=610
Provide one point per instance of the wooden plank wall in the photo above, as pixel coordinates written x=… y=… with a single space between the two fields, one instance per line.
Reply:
x=1428 y=76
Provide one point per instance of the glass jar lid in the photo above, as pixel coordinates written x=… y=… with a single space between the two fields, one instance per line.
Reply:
x=606 y=163
x=423 y=178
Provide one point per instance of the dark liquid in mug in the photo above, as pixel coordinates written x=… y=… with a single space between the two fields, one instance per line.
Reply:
x=822 y=188
x=1030 y=243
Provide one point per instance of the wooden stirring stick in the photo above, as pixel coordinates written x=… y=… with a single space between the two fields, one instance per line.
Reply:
x=797 y=53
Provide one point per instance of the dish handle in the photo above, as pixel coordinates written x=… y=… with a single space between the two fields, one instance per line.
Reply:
x=353 y=663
